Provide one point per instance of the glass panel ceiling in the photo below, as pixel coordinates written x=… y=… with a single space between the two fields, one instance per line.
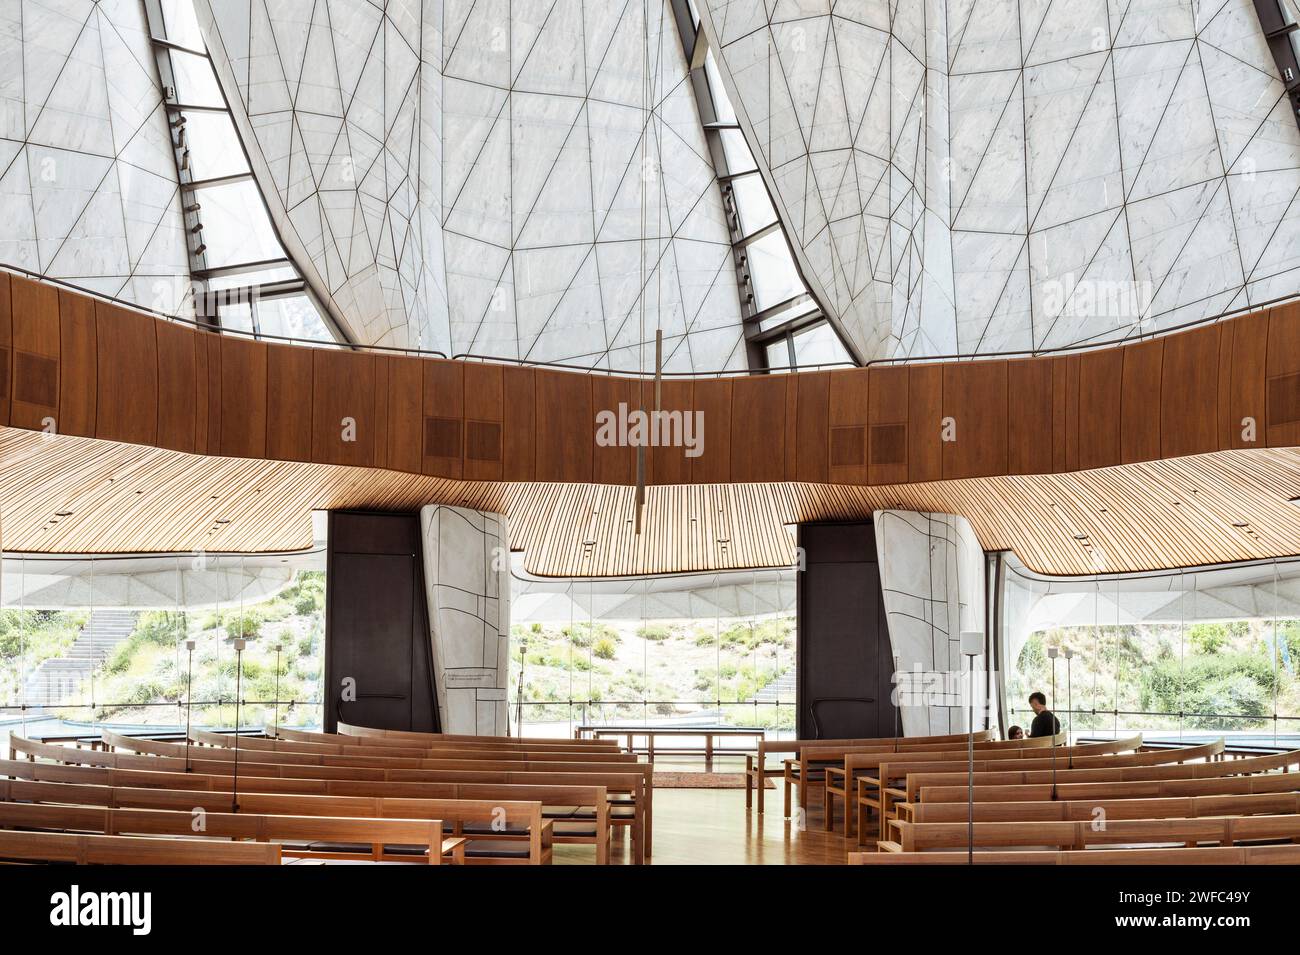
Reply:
x=772 y=271
x=753 y=202
x=819 y=345
x=214 y=145
x=235 y=225
x=232 y=225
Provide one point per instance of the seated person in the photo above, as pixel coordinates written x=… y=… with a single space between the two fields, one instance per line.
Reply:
x=1045 y=723
x=1015 y=733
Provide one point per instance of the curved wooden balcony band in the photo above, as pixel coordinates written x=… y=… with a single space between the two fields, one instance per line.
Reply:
x=84 y=367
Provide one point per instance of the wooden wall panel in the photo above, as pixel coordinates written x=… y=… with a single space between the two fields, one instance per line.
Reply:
x=207 y=395
x=343 y=387
x=616 y=463
x=812 y=431
x=1243 y=354
x=405 y=451
x=975 y=397
x=888 y=435
x=6 y=347
x=758 y=407
x=712 y=398
x=669 y=464
x=849 y=418
x=444 y=413
x=379 y=404
x=1283 y=377
x=127 y=375
x=243 y=397
x=1139 y=437
x=177 y=386
x=1065 y=413
x=1189 y=393
x=1029 y=416
x=289 y=396
x=77 y=387
x=35 y=380
x=566 y=426
x=484 y=417
x=519 y=450
x=924 y=415
x=1101 y=377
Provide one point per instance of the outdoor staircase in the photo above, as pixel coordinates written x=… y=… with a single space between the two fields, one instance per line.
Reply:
x=780 y=689
x=57 y=677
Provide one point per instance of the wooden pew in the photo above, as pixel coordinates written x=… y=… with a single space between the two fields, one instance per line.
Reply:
x=1236 y=855
x=641 y=822
x=897 y=763
x=875 y=793
x=565 y=813
x=360 y=746
x=1222 y=830
x=286 y=830
x=157 y=747
x=1169 y=807
x=349 y=729
x=757 y=769
x=581 y=807
x=470 y=819
x=465 y=742
x=806 y=768
x=131 y=850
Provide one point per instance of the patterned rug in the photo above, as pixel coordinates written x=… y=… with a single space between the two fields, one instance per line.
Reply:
x=703 y=781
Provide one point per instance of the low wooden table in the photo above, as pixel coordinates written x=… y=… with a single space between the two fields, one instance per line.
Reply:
x=710 y=733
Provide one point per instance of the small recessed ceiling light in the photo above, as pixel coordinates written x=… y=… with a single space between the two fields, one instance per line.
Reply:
x=223 y=520
x=62 y=513
x=1293 y=500
x=724 y=540
x=1081 y=537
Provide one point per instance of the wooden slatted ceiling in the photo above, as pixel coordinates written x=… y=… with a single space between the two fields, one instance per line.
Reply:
x=128 y=498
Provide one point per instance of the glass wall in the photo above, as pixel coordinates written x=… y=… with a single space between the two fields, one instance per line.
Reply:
x=1179 y=655
x=152 y=641
x=715 y=649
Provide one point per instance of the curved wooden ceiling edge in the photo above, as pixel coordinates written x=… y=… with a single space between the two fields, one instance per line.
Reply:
x=65 y=494
x=82 y=367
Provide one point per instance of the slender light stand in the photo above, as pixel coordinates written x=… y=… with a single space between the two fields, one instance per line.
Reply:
x=972 y=645
x=898 y=706
x=189 y=700
x=1069 y=696
x=275 y=711
x=239 y=645
x=1052 y=654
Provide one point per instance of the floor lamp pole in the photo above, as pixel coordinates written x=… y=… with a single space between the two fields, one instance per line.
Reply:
x=1052 y=654
x=1069 y=696
x=239 y=672
x=189 y=700
x=972 y=645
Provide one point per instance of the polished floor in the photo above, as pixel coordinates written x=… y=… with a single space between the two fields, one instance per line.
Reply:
x=713 y=827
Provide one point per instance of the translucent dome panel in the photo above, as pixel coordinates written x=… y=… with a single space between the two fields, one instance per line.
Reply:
x=983 y=175
x=88 y=185
x=519 y=180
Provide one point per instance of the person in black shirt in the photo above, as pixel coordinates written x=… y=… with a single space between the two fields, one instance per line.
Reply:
x=1044 y=724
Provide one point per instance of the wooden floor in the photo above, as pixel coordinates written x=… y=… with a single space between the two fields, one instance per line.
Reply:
x=712 y=827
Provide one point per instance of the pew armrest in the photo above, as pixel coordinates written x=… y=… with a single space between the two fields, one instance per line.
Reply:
x=455 y=848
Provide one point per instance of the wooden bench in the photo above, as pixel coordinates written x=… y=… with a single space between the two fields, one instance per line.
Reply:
x=757 y=770
x=1168 y=807
x=350 y=729
x=467 y=742
x=1237 y=855
x=631 y=806
x=420 y=839
x=806 y=768
x=365 y=747
x=525 y=836
x=855 y=762
x=874 y=793
x=1222 y=830
x=131 y=850
x=582 y=809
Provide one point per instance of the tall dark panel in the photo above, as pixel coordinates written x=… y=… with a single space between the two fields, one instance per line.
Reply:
x=845 y=659
x=376 y=624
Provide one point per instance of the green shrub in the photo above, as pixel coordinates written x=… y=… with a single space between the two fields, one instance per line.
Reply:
x=605 y=648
